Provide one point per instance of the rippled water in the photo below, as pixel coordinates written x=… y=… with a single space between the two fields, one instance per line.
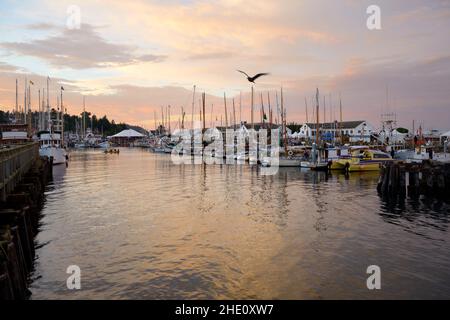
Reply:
x=140 y=227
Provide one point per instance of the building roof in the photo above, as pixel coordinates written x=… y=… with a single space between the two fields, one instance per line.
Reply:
x=337 y=124
x=128 y=133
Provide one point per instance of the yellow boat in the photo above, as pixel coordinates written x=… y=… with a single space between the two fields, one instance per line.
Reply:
x=362 y=159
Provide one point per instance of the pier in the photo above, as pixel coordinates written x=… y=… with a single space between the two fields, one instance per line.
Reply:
x=429 y=178
x=23 y=176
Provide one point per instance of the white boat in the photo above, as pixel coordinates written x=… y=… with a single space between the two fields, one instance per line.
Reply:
x=50 y=146
x=289 y=161
x=417 y=155
x=104 y=145
x=80 y=145
x=282 y=161
x=316 y=166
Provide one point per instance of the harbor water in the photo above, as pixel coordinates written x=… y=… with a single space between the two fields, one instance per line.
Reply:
x=140 y=227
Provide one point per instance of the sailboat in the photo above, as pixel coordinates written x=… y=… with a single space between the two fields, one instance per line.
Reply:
x=288 y=159
x=316 y=162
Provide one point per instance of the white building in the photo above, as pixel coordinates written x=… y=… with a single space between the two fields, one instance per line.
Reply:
x=357 y=131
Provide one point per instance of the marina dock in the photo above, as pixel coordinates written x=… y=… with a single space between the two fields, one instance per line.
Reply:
x=23 y=176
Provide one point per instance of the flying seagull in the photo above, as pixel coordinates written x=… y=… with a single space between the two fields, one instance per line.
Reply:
x=252 y=79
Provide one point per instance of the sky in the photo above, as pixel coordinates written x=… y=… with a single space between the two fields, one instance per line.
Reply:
x=130 y=58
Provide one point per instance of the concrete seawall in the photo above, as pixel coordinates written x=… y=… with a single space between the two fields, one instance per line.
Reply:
x=23 y=178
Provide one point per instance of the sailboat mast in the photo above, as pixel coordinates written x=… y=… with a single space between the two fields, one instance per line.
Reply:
x=240 y=108
x=193 y=107
x=39 y=113
x=251 y=110
x=317 y=115
x=62 y=118
x=203 y=108
x=17 y=102
x=25 y=102
x=226 y=112
x=283 y=121
x=48 y=105
x=278 y=107
x=168 y=117
x=340 y=118
x=262 y=108
x=84 y=117
x=234 y=116
x=211 y=117
x=306 y=109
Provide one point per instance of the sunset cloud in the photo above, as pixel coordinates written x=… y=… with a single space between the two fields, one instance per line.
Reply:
x=79 y=49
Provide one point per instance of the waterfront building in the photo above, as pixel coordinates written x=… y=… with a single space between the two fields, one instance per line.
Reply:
x=356 y=131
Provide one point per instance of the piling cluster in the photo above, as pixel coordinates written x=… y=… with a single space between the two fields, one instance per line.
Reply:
x=430 y=178
x=19 y=220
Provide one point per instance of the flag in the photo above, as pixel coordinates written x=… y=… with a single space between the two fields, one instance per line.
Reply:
x=265 y=117
x=32 y=82
x=62 y=88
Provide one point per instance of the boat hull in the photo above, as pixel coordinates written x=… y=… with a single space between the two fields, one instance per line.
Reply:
x=286 y=162
x=59 y=155
x=352 y=166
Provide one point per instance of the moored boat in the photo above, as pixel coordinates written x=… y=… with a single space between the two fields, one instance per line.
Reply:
x=51 y=146
x=363 y=159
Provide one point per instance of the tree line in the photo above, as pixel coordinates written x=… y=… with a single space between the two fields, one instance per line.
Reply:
x=74 y=123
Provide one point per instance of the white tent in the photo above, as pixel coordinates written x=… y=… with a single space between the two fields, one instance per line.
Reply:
x=446 y=135
x=128 y=133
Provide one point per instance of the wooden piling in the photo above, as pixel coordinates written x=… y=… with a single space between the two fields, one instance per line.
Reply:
x=430 y=178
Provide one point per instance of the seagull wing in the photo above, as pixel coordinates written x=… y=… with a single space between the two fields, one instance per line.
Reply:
x=243 y=73
x=260 y=75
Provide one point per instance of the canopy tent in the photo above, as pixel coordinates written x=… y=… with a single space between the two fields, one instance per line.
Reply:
x=445 y=135
x=126 y=137
x=128 y=133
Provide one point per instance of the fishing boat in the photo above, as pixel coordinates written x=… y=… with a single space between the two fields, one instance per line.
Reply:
x=51 y=143
x=51 y=146
x=363 y=159
x=418 y=154
x=342 y=153
x=315 y=162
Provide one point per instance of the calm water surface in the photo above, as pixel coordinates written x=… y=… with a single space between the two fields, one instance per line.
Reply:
x=140 y=227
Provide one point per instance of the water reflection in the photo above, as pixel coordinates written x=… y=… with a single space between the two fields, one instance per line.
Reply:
x=140 y=227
